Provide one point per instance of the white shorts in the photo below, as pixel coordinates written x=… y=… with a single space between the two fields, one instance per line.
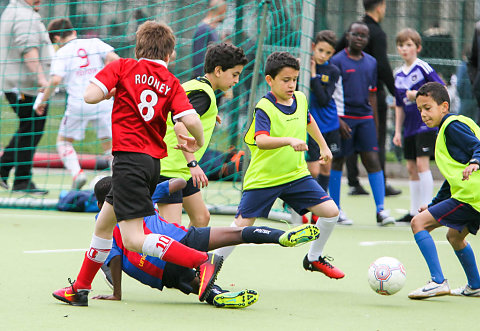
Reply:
x=74 y=127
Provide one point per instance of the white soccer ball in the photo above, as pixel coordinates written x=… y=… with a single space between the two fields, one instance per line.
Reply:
x=386 y=275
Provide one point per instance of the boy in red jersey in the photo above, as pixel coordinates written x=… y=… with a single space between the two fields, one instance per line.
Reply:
x=145 y=92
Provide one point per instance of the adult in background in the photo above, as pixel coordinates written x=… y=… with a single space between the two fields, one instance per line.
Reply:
x=206 y=34
x=474 y=65
x=376 y=47
x=25 y=53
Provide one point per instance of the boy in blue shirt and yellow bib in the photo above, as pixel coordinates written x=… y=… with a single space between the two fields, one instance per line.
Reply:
x=277 y=141
x=457 y=204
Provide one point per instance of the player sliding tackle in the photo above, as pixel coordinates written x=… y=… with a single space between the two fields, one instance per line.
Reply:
x=157 y=273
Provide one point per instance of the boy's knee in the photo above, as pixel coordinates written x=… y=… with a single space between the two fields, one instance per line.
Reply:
x=201 y=219
x=417 y=225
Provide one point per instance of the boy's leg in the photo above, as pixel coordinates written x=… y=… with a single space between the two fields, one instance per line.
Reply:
x=239 y=222
x=336 y=179
x=465 y=255
x=171 y=212
x=197 y=210
x=70 y=160
x=421 y=225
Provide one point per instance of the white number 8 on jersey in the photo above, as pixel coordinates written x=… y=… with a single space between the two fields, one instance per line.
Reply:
x=147 y=104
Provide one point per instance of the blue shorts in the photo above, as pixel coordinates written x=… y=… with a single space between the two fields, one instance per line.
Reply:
x=456 y=215
x=363 y=137
x=332 y=138
x=299 y=194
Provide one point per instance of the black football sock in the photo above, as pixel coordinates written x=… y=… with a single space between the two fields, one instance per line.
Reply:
x=261 y=235
x=216 y=290
x=323 y=181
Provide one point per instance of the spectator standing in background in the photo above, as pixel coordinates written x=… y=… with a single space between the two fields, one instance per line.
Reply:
x=468 y=104
x=474 y=65
x=25 y=53
x=206 y=34
x=376 y=47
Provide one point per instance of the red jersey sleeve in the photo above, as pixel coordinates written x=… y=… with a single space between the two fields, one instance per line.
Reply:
x=108 y=77
x=180 y=105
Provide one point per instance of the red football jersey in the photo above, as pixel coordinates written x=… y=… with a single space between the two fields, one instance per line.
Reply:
x=146 y=93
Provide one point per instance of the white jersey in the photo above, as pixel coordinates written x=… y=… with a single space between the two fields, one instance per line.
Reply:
x=76 y=62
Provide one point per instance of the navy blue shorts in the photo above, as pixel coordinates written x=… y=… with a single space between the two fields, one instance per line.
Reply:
x=456 y=215
x=300 y=194
x=177 y=197
x=332 y=138
x=363 y=137
x=175 y=276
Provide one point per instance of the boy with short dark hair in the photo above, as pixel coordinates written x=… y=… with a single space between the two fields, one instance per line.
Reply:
x=145 y=93
x=324 y=77
x=356 y=100
x=418 y=139
x=223 y=66
x=457 y=204
x=277 y=140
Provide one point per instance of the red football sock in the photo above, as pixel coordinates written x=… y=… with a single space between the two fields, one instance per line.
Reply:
x=180 y=254
x=87 y=273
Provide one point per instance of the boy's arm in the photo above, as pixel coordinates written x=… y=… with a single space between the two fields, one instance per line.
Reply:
x=372 y=98
x=314 y=132
x=264 y=141
x=52 y=85
x=94 y=94
x=116 y=270
x=323 y=92
x=195 y=128
x=111 y=56
x=399 y=119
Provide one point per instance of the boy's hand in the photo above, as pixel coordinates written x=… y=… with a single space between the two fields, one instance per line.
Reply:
x=411 y=95
x=111 y=93
x=106 y=297
x=218 y=119
x=298 y=145
x=468 y=170
x=313 y=68
x=345 y=130
x=325 y=155
x=189 y=146
x=199 y=178
x=40 y=110
x=397 y=140
x=422 y=208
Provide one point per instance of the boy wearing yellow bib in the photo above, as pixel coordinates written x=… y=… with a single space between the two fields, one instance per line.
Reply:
x=277 y=141
x=223 y=65
x=457 y=204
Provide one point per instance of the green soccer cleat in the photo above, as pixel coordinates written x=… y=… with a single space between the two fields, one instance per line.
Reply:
x=298 y=235
x=240 y=299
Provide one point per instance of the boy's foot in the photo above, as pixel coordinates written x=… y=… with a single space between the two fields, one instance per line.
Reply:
x=466 y=291
x=432 y=289
x=384 y=218
x=79 y=180
x=208 y=271
x=357 y=190
x=72 y=296
x=323 y=266
x=405 y=219
x=299 y=234
x=240 y=299
x=107 y=275
x=28 y=187
x=343 y=219
x=391 y=191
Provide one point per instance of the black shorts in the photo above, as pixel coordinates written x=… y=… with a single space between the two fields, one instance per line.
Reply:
x=421 y=144
x=332 y=138
x=175 y=276
x=177 y=197
x=134 y=179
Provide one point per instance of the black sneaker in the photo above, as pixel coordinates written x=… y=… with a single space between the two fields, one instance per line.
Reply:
x=29 y=188
x=357 y=190
x=3 y=183
x=405 y=219
x=384 y=218
x=391 y=191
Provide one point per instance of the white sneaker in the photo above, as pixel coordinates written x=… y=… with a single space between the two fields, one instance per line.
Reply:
x=432 y=289
x=466 y=291
x=343 y=219
x=384 y=218
x=79 y=180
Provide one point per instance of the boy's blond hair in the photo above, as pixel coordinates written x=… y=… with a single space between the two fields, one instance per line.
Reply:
x=411 y=34
x=155 y=41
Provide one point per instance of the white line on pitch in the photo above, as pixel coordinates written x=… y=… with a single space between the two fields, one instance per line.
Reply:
x=56 y=251
x=393 y=242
